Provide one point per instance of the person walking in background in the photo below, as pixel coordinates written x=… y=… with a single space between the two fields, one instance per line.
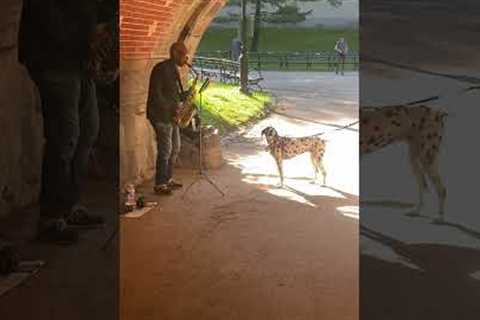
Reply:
x=341 y=47
x=236 y=49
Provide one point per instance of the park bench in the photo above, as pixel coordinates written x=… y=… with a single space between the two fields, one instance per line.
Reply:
x=226 y=71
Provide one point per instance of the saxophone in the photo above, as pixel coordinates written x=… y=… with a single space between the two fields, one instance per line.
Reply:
x=188 y=108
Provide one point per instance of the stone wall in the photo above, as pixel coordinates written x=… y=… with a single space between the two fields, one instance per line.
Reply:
x=147 y=29
x=21 y=133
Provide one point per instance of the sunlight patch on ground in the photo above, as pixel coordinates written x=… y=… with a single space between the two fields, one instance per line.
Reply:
x=260 y=170
x=259 y=167
x=295 y=189
x=304 y=109
x=340 y=161
x=350 y=211
x=475 y=275
x=283 y=193
x=376 y=249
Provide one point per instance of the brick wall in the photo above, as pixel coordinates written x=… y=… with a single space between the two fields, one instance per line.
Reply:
x=147 y=29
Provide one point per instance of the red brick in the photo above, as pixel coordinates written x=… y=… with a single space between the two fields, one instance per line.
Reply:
x=137 y=39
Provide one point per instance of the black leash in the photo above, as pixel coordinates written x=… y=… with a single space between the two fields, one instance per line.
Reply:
x=439 y=97
x=337 y=129
x=432 y=98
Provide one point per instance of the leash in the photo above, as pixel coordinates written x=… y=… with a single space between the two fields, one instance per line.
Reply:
x=471 y=88
x=461 y=78
x=337 y=129
x=411 y=103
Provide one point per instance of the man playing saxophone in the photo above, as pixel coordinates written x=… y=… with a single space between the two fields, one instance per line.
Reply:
x=165 y=97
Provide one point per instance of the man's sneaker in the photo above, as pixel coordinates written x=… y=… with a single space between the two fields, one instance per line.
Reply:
x=162 y=189
x=79 y=217
x=174 y=185
x=56 y=231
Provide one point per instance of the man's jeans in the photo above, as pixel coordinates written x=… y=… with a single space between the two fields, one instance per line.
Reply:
x=168 y=142
x=71 y=125
x=340 y=62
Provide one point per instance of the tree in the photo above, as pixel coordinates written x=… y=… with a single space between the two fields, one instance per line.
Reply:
x=256 y=26
x=286 y=11
x=244 y=56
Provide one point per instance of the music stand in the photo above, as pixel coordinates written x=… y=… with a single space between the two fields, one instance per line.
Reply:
x=201 y=171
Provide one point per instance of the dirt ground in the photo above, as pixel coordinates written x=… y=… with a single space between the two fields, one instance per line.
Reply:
x=260 y=252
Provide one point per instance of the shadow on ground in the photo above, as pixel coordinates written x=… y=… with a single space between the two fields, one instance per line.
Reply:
x=78 y=281
x=249 y=255
x=443 y=289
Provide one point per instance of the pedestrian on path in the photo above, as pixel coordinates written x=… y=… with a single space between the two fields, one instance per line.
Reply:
x=341 y=47
x=236 y=49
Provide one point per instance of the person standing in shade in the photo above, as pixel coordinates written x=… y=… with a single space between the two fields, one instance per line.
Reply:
x=57 y=38
x=341 y=48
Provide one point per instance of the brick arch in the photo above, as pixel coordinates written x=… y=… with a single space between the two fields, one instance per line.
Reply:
x=147 y=29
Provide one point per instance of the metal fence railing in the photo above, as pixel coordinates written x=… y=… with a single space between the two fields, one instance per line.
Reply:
x=308 y=60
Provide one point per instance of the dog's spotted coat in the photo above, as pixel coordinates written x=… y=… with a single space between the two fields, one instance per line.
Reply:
x=421 y=128
x=284 y=148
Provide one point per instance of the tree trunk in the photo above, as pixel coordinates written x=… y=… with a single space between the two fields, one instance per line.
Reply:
x=256 y=26
x=244 y=58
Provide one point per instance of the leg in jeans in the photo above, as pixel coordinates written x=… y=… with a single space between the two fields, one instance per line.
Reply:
x=89 y=128
x=60 y=94
x=175 y=150
x=164 y=132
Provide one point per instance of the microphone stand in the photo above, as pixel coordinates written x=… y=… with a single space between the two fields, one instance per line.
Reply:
x=201 y=172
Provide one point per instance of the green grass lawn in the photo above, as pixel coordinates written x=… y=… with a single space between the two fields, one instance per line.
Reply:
x=224 y=107
x=282 y=39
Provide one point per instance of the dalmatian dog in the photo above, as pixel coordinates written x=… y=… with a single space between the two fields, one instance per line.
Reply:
x=284 y=148
x=421 y=128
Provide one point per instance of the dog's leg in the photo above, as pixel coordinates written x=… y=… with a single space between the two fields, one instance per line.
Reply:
x=420 y=177
x=317 y=162
x=434 y=175
x=324 y=172
x=279 y=162
x=280 y=170
x=316 y=168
